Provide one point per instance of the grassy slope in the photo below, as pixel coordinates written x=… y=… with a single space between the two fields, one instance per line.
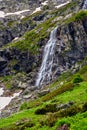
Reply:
x=78 y=94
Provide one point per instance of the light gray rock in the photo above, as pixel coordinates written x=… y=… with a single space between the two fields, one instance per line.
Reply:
x=64 y=106
x=27 y=96
x=22 y=85
x=43 y=92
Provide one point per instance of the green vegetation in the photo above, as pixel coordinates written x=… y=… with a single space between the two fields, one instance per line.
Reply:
x=42 y=115
x=24 y=106
x=81 y=15
x=77 y=79
x=7 y=81
x=77 y=16
x=30 y=39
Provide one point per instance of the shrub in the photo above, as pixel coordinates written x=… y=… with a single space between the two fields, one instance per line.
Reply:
x=83 y=70
x=77 y=79
x=51 y=108
x=27 y=124
x=47 y=108
x=51 y=119
x=68 y=112
x=40 y=111
x=24 y=123
x=80 y=15
x=63 y=121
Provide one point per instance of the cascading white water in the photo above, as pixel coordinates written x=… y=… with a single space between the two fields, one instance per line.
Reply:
x=85 y=5
x=45 y=72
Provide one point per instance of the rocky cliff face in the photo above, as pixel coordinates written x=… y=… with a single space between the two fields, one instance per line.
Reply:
x=17 y=5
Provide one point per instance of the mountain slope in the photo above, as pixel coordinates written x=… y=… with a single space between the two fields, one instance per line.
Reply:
x=22 y=40
x=55 y=111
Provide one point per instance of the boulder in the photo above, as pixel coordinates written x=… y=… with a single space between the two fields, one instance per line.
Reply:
x=27 y=96
x=64 y=127
x=43 y=92
x=64 y=106
x=22 y=85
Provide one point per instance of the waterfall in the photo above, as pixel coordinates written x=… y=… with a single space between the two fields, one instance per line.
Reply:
x=85 y=4
x=45 y=71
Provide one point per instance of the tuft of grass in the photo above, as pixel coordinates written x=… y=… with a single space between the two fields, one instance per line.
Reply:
x=24 y=106
x=77 y=79
x=77 y=17
x=80 y=15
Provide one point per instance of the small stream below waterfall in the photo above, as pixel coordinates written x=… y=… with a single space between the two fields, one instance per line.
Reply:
x=4 y=101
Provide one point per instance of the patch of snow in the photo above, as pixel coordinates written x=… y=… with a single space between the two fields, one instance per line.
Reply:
x=17 y=13
x=16 y=94
x=4 y=101
x=1 y=91
x=2 y=14
x=44 y=3
x=61 y=5
x=22 y=17
x=36 y=10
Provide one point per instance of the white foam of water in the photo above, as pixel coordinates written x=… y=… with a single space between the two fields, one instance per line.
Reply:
x=46 y=66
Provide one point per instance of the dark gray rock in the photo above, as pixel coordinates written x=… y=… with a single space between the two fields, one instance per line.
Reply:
x=3 y=64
